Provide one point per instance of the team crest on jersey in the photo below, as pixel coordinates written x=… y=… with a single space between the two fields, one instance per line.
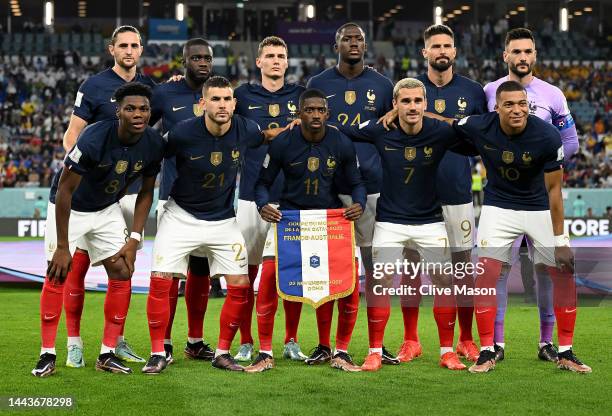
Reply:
x=526 y=158
x=121 y=166
x=274 y=110
x=409 y=153
x=371 y=97
x=533 y=107
x=440 y=105
x=428 y=151
x=331 y=162
x=313 y=164
x=462 y=104
x=350 y=97
x=138 y=166
x=198 y=110
x=216 y=158
x=235 y=155
x=507 y=156
x=291 y=107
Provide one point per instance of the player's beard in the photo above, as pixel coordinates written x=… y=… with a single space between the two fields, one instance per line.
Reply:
x=514 y=69
x=125 y=66
x=441 y=67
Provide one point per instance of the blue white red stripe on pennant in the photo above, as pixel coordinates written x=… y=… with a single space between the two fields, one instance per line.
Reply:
x=315 y=255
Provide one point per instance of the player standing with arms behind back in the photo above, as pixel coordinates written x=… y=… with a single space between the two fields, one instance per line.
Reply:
x=272 y=104
x=548 y=103
x=355 y=93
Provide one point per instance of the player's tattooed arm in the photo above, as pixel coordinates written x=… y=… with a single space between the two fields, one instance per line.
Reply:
x=60 y=263
x=563 y=254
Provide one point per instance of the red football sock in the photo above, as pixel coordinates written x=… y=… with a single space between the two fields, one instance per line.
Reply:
x=50 y=311
x=465 y=311
x=74 y=293
x=267 y=304
x=565 y=304
x=116 y=305
x=347 y=316
x=377 y=322
x=325 y=313
x=410 y=309
x=444 y=313
x=233 y=312
x=197 y=289
x=158 y=311
x=293 y=312
x=486 y=305
x=245 y=327
x=172 y=300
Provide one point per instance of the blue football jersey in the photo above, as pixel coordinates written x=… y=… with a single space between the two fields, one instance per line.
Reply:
x=94 y=100
x=311 y=171
x=173 y=102
x=207 y=165
x=353 y=101
x=459 y=98
x=269 y=110
x=107 y=165
x=515 y=164
x=409 y=166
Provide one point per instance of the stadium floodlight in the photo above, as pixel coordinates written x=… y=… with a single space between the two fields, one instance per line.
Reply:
x=588 y=9
x=180 y=11
x=437 y=15
x=521 y=8
x=465 y=8
x=310 y=11
x=48 y=13
x=563 y=20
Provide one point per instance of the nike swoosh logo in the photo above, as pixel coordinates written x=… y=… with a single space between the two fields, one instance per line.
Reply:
x=113 y=100
x=489 y=147
x=75 y=294
x=253 y=107
x=154 y=322
x=50 y=316
x=177 y=108
x=330 y=96
x=119 y=318
x=390 y=148
x=570 y=310
x=294 y=163
x=234 y=325
x=104 y=166
x=481 y=310
x=195 y=158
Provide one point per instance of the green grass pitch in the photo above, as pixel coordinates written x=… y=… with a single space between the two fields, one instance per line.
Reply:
x=519 y=385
